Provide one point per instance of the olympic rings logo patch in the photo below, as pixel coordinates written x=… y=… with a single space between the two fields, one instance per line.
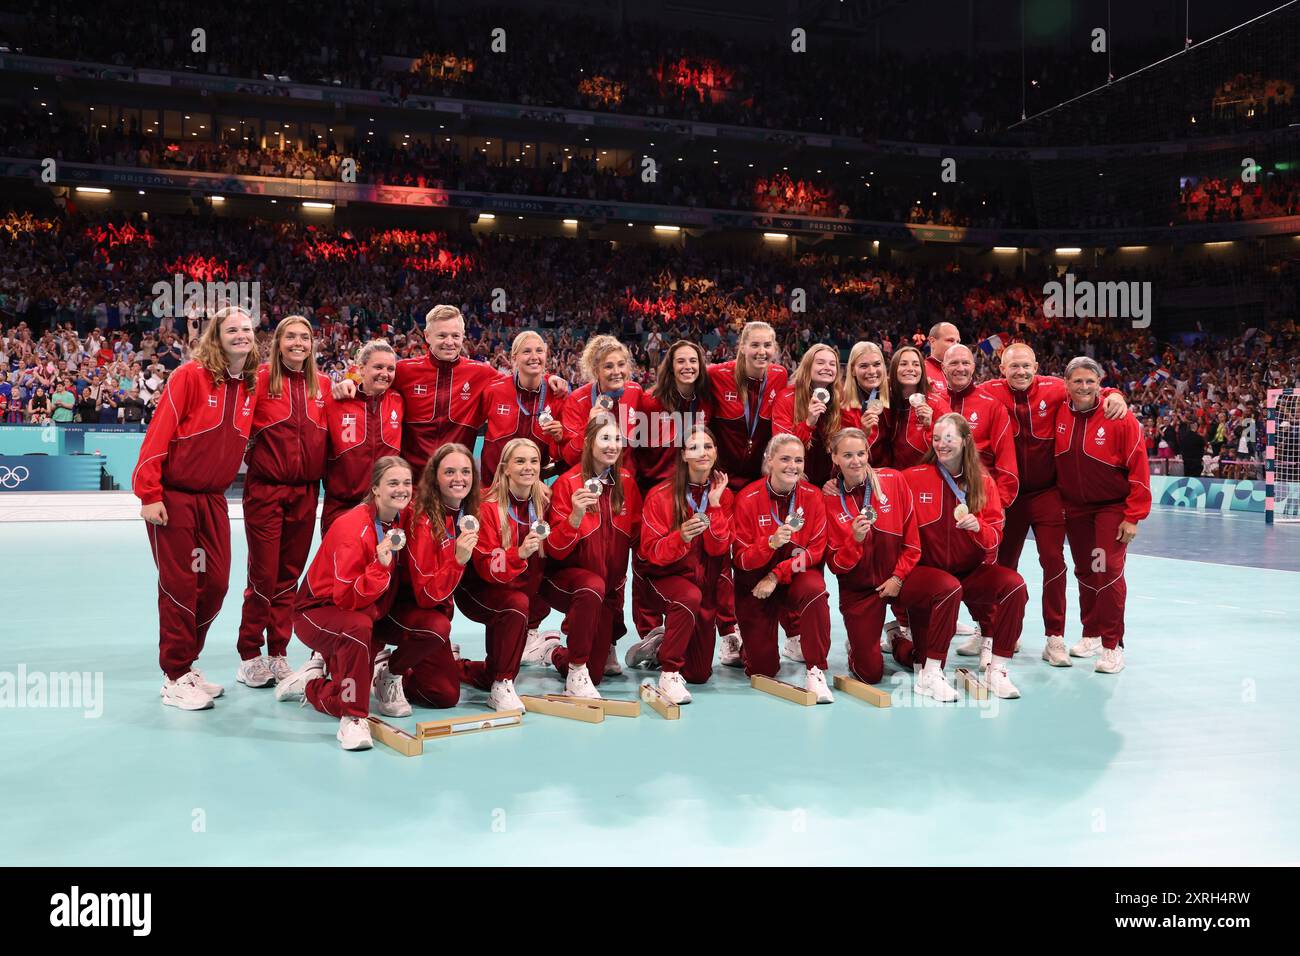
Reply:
x=13 y=477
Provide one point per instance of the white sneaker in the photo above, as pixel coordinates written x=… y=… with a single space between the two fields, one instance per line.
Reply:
x=986 y=652
x=388 y=692
x=212 y=690
x=1088 y=647
x=816 y=683
x=455 y=652
x=254 y=672
x=966 y=630
x=613 y=666
x=354 y=733
x=185 y=693
x=296 y=685
x=1112 y=660
x=1054 y=652
x=281 y=669
x=792 y=649
x=646 y=653
x=502 y=696
x=380 y=663
x=578 y=683
x=974 y=642
x=932 y=683
x=729 y=654
x=999 y=681
x=534 y=644
x=673 y=686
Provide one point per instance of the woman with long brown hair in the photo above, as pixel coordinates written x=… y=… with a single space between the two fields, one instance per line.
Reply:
x=685 y=540
x=286 y=461
x=810 y=410
x=189 y=457
x=907 y=423
x=595 y=518
x=960 y=518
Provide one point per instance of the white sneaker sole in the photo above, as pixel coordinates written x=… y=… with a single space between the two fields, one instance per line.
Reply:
x=239 y=678
x=181 y=704
x=1058 y=663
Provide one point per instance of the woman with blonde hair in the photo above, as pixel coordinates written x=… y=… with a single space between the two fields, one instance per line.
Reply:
x=810 y=410
x=522 y=406
x=286 y=461
x=864 y=393
x=606 y=365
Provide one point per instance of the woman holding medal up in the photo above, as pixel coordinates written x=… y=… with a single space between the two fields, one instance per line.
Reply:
x=685 y=538
x=502 y=588
x=522 y=406
x=960 y=518
x=864 y=394
x=350 y=587
x=609 y=390
x=906 y=425
x=810 y=410
x=594 y=519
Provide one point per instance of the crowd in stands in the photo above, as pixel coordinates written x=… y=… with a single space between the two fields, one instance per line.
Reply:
x=1215 y=199
x=644 y=67
x=80 y=340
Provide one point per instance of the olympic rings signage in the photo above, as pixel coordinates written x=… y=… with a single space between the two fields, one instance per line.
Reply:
x=11 y=478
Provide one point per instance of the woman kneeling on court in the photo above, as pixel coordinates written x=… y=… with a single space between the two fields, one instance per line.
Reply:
x=349 y=590
x=501 y=588
x=685 y=537
x=595 y=517
x=873 y=547
x=778 y=539
x=960 y=519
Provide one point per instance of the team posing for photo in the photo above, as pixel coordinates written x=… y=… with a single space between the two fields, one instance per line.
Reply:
x=730 y=490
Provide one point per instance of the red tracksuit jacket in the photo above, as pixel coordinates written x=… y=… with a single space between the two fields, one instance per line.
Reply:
x=505 y=568
x=361 y=431
x=501 y=408
x=443 y=402
x=817 y=463
x=663 y=552
x=577 y=409
x=943 y=545
x=345 y=572
x=1100 y=462
x=739 y=455
x=990 y=426
x=602 y=540
x=753 y=524
x=197 y=437
x=429 y=561
x=891 y=548
x=289 y=430
x=903 y=441
x=656 y=458
x=934 y=375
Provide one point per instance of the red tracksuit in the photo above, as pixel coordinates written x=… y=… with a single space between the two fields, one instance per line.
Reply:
x=345 y=610
x=740 y=443
x=817 y=463
x=969 y=560
x=892 y=548
x=286 y=459
x=443 y=403
x=191 y=454
x=429 y=562
x=361 y=431
x=903 y=440
x=656 y=458
x=990 y=426
x=877 y=447
x=511 y=412
x=935 y=377
x=800 y=587
x=1104 y=477
x=577 y=411
x=502 y=591
x=586 y=570
x=679 y=577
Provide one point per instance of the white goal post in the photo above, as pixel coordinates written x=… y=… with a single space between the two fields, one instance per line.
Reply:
x=1282 y=457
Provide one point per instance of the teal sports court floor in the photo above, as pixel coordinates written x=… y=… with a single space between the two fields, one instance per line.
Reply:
x=1192 y=755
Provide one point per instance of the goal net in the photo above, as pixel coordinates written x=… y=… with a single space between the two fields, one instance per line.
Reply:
x=1282 y=457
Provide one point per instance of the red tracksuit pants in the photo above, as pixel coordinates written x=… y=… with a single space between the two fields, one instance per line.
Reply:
x=1102 y=588
x=1044 y=512
x=279 y=521
x=506 y=612
x=593 y=618
x=192 y=554
x=647 y=613
x=348 y=641
x=804 y=599
x=931 y=598
x=689 y=613
x=991 y=592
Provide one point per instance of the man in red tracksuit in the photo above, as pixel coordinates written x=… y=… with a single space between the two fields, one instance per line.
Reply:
x=362 y=429
x=943 y=336
x=1105 y=482
x=1032 y=402
x=990 y=424
x=190 y=455
x=286 y=459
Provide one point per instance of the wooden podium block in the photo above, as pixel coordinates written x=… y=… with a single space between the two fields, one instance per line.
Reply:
x=612 y=707
x=557 y=708
x=455 y=726
x=863 y=691
x=974 y=687
x=660 y=704
x=779 y=688
x=396 y=738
